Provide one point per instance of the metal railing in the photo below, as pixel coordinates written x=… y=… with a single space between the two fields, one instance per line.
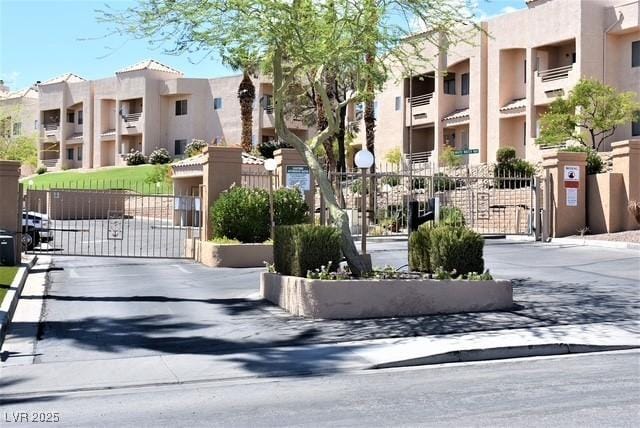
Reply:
x=51 y=126
x=421 y=100
x=132 y=117
x=555 y=73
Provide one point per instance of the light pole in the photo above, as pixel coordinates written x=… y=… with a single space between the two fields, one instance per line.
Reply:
x=364 y=160
x=270 y=165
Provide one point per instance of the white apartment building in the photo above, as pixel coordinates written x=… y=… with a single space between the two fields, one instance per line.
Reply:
x=18 y=111
x=491 y=92
x=95 y=123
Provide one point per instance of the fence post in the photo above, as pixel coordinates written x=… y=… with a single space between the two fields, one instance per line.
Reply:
x=221 y=170
x=11 y=211
x=286 y=158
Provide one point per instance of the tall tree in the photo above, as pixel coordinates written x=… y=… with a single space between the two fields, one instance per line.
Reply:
x=589 y=115
x=296 y=42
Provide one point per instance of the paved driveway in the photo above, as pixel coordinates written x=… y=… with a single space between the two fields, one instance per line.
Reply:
x=100 y=308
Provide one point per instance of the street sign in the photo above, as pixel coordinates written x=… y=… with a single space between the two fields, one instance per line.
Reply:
x=466 y=152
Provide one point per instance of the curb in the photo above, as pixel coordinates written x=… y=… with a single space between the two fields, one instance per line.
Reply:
x=10 y=301
x=597 y=243
x=503 y=353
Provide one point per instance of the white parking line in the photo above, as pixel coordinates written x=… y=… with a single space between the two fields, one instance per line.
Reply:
x=181 y=269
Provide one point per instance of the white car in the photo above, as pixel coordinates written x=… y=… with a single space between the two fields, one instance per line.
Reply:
x=35 y=228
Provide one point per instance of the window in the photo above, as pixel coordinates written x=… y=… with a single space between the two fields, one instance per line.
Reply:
x=525 y=71
x=79 y=153
x=71 y=117
x=524 y=134
x=181 y=107
x=398 y=103
x=635 y=126
x=179 y=146
x=217 y=103
x=70 y=154
x=573 y=58
x=17 y=128
x=464 y=84
x=35 y=124
x=635 y=54
x=79 y=118
x=450 y=84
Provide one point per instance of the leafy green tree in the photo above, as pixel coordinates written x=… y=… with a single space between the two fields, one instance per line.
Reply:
x=297 y=42
x=589 y=115
x=449 y=157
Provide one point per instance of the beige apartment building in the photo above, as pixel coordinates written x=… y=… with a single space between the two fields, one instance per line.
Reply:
x=18 y=111
x=491 y=92
x=95 y=123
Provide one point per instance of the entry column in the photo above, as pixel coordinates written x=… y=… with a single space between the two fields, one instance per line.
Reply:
x=11 y=207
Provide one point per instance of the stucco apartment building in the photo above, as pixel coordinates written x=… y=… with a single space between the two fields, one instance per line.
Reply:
x=18 y=111
x=491 y=92
x=95 y=123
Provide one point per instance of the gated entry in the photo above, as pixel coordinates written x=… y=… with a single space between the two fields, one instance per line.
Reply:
x=115 y=221
x=489 y=203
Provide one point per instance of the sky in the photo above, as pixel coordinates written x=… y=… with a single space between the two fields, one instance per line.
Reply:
x=46 y=38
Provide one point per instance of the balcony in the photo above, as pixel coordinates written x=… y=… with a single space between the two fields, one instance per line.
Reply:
x=269 y=120
x=554 y=82
x=51 y=131
x=421 y=110
x=131 y=123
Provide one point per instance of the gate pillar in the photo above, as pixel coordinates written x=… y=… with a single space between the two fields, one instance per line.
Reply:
x=11 y=206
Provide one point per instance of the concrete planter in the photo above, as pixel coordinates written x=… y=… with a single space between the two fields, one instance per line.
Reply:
x=231 y=255
x=353 y=299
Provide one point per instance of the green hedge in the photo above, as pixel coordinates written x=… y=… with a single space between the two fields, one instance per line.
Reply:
x=452 y=216
x=448 y=247
x=243 y=213
x=304 y=247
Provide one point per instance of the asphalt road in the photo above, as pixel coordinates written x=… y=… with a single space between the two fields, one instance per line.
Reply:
x=100 y=308
x=591 y=390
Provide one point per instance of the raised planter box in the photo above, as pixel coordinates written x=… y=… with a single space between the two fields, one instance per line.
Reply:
x=230 y=255
x=372 y=298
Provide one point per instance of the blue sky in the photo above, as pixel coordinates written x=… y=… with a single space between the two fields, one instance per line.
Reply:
x=46 y=38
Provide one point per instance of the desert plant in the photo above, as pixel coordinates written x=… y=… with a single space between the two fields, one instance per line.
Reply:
x=159 y=156
x=302 y=248
x=241 y=213
x=595 y=164
x=195 y=147
x=419 y=244
x=135 y=157
x=394 y=156
x=289 y=207
x=511 y=172
x=451 y=216
x=41 y=170
x=505 y=155
x=159 y=174
x=456 y=248
x=391 y=180
x=449 y=158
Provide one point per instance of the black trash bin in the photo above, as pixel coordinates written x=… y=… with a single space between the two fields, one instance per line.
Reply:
x=7 y=249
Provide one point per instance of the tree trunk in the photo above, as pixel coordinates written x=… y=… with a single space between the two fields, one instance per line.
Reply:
x=246 y=95
x=342 y=161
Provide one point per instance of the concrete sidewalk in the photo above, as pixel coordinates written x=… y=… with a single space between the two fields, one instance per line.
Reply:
x=50 y=378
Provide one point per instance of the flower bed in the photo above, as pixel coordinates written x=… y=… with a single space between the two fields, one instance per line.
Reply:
x=379 y=298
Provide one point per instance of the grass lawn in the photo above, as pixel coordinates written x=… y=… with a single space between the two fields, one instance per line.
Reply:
x=128 y=177
x=6 y=278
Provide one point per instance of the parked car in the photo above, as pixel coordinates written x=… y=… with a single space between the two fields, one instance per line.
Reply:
x=35 y=229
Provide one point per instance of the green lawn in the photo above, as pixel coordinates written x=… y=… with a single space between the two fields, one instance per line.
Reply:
x=128 y=177
x=6 y=278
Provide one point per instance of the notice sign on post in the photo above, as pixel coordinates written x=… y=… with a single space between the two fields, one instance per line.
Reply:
x=571 y=177
x=572 y=197
x=299 y=175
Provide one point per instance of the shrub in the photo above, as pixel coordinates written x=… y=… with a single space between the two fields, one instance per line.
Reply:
x=41 y=170
x=242 y=213
x=391 y=180
x=511 y=172
x=451 y=216
x=266 y=148
x=419 y=243
x=393 y=156
x=442 y=182
x=505 y=155
x=135 y=158
x=419 y=183
x=595 y=164
x=159 y=174
x=456 y=248
x=301 y=248
x=159 y=156
x=449 y=157
x=195 y=147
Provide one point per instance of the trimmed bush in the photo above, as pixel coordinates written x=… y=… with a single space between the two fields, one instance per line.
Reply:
x=305 y=247
x=195 y=147
x=41 y=170
x=242 y=213
x=266 y=148
x=452 y=216
x=419 y=243
x=159 y=156
x=135 y=158
x=595 y=165
x=391 y=180
x=442 y=182
x=505 y=155
x=456 y=248
x=512 y=173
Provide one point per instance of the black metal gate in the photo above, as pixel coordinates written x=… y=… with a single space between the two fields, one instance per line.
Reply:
x=110 y=220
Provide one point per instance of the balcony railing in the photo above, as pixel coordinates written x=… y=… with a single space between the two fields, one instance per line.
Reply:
x=419 y=157
x=51 y=126
x=132 y=117
x=268 y=109
x=555 y=73
x=421 y=100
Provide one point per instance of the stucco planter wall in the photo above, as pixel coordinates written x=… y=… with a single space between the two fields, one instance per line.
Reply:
x=231 y=255
x=354 y=299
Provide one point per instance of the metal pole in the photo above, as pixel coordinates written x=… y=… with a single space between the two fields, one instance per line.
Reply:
x=363 y=202
x=411 y=137
x=273 y=223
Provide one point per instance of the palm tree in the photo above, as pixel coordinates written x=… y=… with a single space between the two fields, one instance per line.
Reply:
x=246 y=96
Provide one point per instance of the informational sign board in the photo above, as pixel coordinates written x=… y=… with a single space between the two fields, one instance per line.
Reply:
x=115 y=224
x=482 y=205
x=572 y=197
x=299 y=176
x=571 y=177
x=466 y=152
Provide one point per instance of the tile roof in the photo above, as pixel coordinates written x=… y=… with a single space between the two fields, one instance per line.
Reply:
x=457 y=114
x=149 y=64
x=515 y=104
x=30 y=92
x=67 y=77
x=200 y=159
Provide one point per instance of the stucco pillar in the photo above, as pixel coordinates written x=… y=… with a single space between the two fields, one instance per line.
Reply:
x=62 y=131
x=10 y=209
x=626 y=161
x=222 y=169
x=568 y=195
x=291 y=157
